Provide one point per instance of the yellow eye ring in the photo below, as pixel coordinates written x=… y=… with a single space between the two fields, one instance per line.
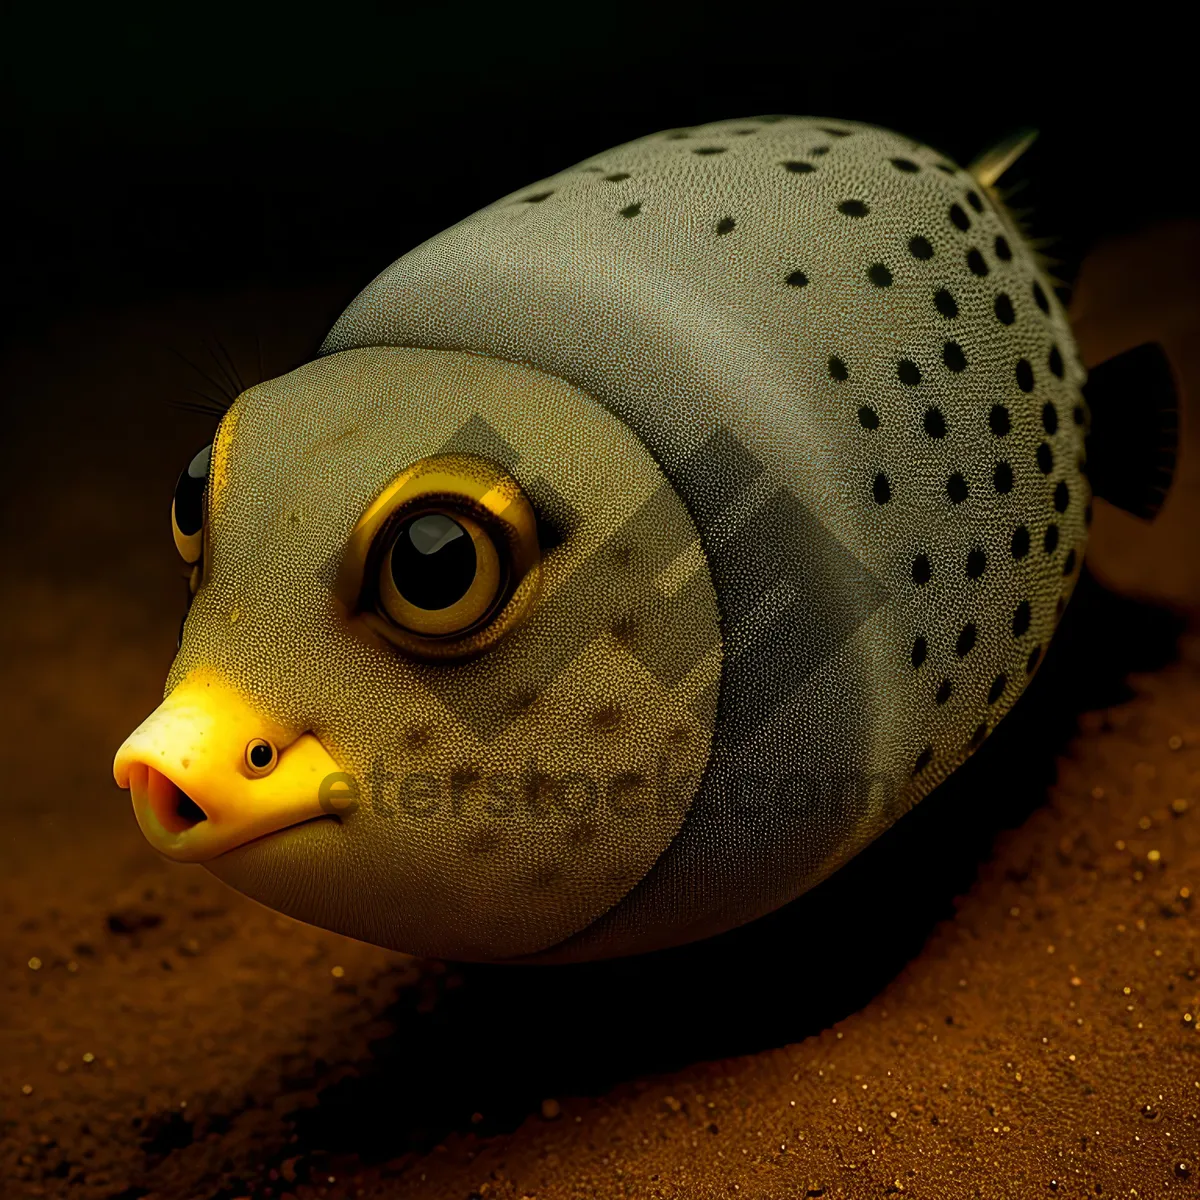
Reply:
x=189 y=545
x=467 y=509
x=261 y=757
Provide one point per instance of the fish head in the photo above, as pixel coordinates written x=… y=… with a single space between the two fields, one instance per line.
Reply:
x=447 y=682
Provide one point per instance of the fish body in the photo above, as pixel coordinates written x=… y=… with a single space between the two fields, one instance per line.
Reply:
x=775 y=429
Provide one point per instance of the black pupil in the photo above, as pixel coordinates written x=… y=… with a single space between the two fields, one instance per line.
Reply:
x=260 y=754
x=433 y=561
x=189 y=493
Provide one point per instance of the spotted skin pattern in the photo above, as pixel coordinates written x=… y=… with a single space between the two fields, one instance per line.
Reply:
x=801 y=420
x=852 y=314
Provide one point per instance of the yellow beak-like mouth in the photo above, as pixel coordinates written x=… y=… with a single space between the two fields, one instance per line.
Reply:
x=208 y=773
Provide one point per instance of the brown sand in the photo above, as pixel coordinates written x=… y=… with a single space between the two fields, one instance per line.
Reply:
x=164 y=1037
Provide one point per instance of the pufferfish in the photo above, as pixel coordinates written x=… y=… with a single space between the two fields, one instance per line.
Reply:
x=635 y=551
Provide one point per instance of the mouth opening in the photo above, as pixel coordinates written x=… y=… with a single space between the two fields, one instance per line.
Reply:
x=173 y=808
x=189 y=811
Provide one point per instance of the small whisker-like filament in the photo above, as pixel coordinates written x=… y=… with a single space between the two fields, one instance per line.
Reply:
x=227 y=366
x=206 y=405
x=226 y=376
x=216 y=383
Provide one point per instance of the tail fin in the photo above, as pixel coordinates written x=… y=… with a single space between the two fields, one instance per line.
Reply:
x=1134 y=435
x=1133 y=397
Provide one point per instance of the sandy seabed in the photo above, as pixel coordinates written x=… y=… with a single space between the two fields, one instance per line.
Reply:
x=1000 y=998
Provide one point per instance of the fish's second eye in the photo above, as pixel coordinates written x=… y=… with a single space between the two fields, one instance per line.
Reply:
x=187 y=507
x=441 y=575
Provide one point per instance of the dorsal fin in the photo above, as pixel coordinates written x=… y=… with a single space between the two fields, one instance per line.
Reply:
x=1131 y=445
x=993 y=162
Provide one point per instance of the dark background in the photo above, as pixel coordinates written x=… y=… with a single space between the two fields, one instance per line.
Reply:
x=226 y=176
x=178 y=179
x=214 y=147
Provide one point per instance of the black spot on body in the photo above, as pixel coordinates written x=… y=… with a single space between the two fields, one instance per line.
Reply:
x=618 y=177
x=1024 y=375
x=1062 y=496
x=1021 y=619
x=1050 y=541
x=976 y=563
x=868 y=418
x=1055 y=362
x=954 y=358
x=1003 y=249
x=935 y=423
x=959 y=218
x=1004 y=309
x=905 y=164
x=920 y=247
x=879 y=275
x=974 y=201
x=997 y=688
x=1039 y=297
x=726 y=225
x=798 y=168
x=838 y=369
x=631 y=210
x=945 y=303
x=966 y=640
x=944 y=692
x=923 y=760
x=956 y=488
x=1049 y=418
x=796 y=279
x=975 y=263
x=1032 y=661
x=908 y=372
x=854 y=208
x=881 y=489
x=921 y=570
x=1069 y=564
x=920 y=649
x=1002 y=478
x=1020 y=542
x=999 y=420
x=1045 y=458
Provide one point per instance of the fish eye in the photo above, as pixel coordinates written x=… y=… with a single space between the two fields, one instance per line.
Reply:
x=187 y=507
x=445 y=561
x=441 y=575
